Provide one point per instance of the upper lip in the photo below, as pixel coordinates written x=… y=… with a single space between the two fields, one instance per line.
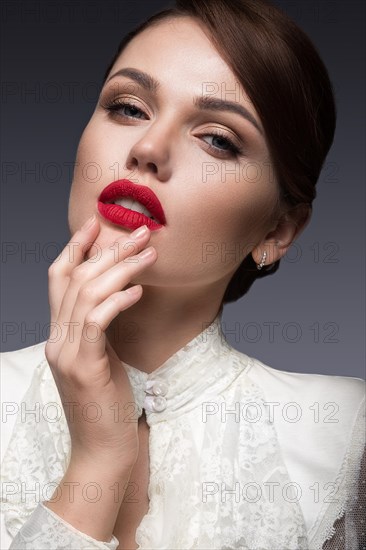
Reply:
x=126 y=189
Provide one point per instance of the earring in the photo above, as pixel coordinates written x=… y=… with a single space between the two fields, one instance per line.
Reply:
x=263 y=260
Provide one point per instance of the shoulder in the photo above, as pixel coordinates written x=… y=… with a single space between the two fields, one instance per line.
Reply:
x=345 y=393
x=320 y=408
x=343 y=389
x=319 y=412
x=16 y=372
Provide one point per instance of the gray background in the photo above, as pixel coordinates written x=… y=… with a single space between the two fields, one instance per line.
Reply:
x=310 y=315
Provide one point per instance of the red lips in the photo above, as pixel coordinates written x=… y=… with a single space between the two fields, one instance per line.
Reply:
x=128 y=218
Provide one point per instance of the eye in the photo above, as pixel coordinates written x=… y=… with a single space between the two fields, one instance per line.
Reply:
x=114 y=108
x=230 y=149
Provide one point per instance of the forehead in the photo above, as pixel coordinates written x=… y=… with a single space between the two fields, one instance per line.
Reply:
x=180 y=54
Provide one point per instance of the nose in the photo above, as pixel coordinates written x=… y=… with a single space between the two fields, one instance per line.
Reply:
x=152 y=153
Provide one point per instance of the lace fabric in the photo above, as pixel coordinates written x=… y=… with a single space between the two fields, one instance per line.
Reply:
x=342 y=524
x=220 y=485
x=45 y=530
x=214 y=482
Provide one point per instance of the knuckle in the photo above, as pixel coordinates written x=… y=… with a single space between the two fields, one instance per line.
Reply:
x=53 y=270
x=78 y=274
x=88 y=293
x=91 y=319
x=116 y=299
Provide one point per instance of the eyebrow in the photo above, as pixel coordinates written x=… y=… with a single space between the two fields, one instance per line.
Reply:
x=204 y=103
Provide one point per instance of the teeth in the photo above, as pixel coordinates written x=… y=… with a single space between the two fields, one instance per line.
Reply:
x=135 y=206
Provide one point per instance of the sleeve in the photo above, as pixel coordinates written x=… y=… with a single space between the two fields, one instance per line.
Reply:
x=34 y=450
x=46 y=530
x=350 y=529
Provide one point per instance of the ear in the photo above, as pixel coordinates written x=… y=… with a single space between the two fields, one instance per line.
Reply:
x=287 y=228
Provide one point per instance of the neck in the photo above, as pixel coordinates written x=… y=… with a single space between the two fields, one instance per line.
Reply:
x=160 y=323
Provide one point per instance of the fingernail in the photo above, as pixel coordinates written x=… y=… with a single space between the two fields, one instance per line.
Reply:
x=139 y=232
x=134 y=290
x=89 y=222
x=147 y=253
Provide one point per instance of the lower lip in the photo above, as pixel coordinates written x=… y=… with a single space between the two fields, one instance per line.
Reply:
x=126 y=218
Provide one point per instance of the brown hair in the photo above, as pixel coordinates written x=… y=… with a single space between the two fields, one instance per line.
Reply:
x=289 y=86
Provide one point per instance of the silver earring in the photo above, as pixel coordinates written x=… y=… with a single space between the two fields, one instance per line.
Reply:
x=263 y=260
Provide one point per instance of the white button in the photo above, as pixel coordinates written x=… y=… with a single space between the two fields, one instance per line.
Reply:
x=159 y=404
x=160 y=388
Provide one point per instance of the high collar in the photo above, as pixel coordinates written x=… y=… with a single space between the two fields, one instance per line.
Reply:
x=195 y=370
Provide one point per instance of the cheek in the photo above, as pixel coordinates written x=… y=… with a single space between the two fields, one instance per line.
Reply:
x=89 y=177
x=220 y=230
x=79 y=189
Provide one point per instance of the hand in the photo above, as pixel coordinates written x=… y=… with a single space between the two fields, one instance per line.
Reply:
x=95 y=391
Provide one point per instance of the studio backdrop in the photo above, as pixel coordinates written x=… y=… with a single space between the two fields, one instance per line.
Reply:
x=307 y=317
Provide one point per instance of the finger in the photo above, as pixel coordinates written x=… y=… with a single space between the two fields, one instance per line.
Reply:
x=111 y=257
x=93 y=341
x=95 y=292
x=60 y=270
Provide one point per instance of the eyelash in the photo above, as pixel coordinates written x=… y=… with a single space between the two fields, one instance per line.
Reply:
x=233 y=150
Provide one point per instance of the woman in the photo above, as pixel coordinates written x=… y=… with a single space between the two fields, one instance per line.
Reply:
x=148 y=429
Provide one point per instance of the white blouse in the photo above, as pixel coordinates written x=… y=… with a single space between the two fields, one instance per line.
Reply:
x=241 y=455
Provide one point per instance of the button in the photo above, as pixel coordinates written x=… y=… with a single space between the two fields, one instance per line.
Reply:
x=159 y=404
x=160 y=388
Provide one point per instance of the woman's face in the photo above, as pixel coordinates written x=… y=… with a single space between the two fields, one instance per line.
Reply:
x=218 y=201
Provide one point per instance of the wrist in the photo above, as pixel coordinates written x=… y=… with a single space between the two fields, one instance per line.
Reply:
x=107 y=467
